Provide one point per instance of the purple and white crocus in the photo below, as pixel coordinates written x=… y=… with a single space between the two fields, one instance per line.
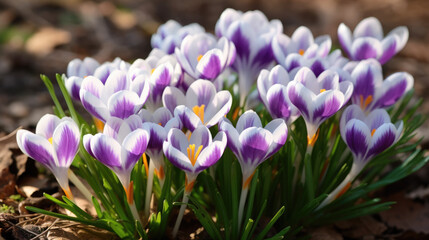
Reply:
x=201 y=104
x=192 y=156
x=119 y=147
x=272 y=91
x=302 y=42
x=117 y=97
x=203 y=57
x=371 y=91
x=54 y=145
x=251 y=33
x=159 y=123
x=170 y=35
x=368 y=41
x=318 y=98
x=366 y=136
x=77 y=70
x=252 y=144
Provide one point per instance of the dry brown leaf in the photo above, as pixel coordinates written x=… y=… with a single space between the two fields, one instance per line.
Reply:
x=79 y=232
x=325 y=233
x=46 y=39
x=407 y=214
x=362 y=227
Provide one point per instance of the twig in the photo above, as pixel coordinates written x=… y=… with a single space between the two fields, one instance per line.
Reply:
x=13 y=224
x=29 y=220
x=42 y=233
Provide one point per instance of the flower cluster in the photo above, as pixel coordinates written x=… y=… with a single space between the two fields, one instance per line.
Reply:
x=173 y=102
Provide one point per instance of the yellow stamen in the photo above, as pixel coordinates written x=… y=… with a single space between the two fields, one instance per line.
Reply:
x=344 y=190
x=160 y=173
x=146 y=165
x=99 y=125
x=153 y=70
x=322 y=90
x=365 y=102
x=199 y=111
x=248 y=180
x=199 y=57
x=301 y=52
x=160 y=124
x=68 y=193
x=372 y=132
x=312 y=140
x=192 y=155
x=188 y=185
x=50 y=140
x=130 y=193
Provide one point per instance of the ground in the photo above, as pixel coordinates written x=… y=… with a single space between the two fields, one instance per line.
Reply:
x=43 y=36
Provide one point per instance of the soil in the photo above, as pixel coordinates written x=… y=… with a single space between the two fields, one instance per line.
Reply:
x=43 y=36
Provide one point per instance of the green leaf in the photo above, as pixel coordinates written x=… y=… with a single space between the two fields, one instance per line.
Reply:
x=270 y=224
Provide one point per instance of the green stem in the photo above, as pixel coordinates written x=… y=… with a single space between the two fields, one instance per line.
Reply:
x=181 y=212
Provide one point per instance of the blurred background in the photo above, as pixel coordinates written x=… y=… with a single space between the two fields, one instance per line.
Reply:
x=42 y=36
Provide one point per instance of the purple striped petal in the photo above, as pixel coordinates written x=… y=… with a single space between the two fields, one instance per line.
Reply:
x=134 y=145
x=278 y=129
x=366 y=48
x=157 y=136
x=219 y=107
x=212 y=153
x=160 y=79
x=124 y=104
x=357 y=137
x=73 y=85
x=106 y=150
x=173 y=97
x=162 y=116
x=383 y=138
x=201 y=92
x=188 y=118
x=240 y=39
x=366 y=77
x=389 y=48
x=300 y=97
x=201 y=136
x=345 y=39
x=36 y=147
x=278 y=103
x=377 y=118
x=369 y=27
x=232 y=136
x=303 y=37
x=280 y=45
x=66 y=142
x=247 y=120
x=116 y=82
x=263 y=56
x=255 y=143
x=327 y=104
x=351 y=112
x=92 y=85
x=86 y=141
x=178 y=139
x=112 y=126
x=176 y=157
x=210 y=65
x=394 y=87
x=46 y=125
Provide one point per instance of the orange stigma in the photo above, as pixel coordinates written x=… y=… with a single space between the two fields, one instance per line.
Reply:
x=365 y=102
x=372 y=132
x=130 y=193
x=322 y=90
x=199 y=57
x=146 y=165
x=301 y=52
x=312 y=140
x=99 y=125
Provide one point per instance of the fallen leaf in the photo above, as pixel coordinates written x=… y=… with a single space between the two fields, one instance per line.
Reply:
x=46 y=39
x=79 y=232
x=407 y=214
x=325 y=233
x=361 y=227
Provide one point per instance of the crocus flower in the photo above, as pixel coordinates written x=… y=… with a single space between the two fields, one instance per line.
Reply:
x=117 y=97
x=302 y=42
x=252 y=144
x=201 y=104
x=203 y=57
x=368 y=40
x=251 y=34
x=171 y=34
x=119 y=147
x=160 y=122
x=272 y=91
x=54 y=145
x=371 y=92
x=318 y=98
x=160 y=70
x=192 y=156
x=77 y=70
x=104 y=70
x=366 y=136
x=196 y=154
